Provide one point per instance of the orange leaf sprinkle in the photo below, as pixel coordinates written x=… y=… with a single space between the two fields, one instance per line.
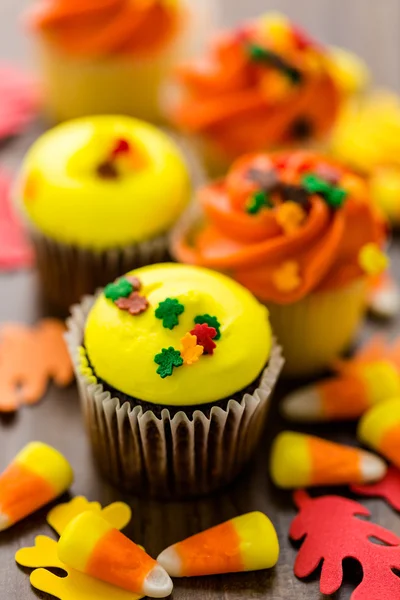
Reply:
x=287 y=277
x=290 y=216
x=191 y=351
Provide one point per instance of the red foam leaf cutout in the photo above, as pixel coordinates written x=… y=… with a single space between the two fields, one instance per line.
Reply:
x=19 y=100
x=332 y=532
x=388 y=488
x=15 y=251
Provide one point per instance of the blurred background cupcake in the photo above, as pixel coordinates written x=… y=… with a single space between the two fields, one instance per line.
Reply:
x=302 y=234
x=264 y=85
x=367 y=138
x=175 y=367
x=99 y=195
x=113 y=56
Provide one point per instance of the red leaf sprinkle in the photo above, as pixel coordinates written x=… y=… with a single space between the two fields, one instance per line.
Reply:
x=121 y=147
x=205 y=336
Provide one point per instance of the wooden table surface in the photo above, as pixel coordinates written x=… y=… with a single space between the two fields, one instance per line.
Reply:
x=371 y=29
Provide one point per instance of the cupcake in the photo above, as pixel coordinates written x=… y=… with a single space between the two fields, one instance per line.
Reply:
x=300 y=232
x=175 y=366
x=262 y=86
x=366 y=137
x=99 y=195
x=113 y=56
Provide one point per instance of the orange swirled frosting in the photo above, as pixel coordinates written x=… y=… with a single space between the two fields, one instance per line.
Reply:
x=264 y=85
x=102 y=27
x=285 y=225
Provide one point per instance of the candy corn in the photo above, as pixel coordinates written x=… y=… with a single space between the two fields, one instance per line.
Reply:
x=36 y=476
x=384 y=296
x=246 y=543
x=380 y=429
x=91 y=545
x=371 y=377
x=299 y=460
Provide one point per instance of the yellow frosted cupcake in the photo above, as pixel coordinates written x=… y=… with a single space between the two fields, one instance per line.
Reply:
x=100 y=195
x=176 y=365
x=113 y=56
x=367 y=137
x=301 y=233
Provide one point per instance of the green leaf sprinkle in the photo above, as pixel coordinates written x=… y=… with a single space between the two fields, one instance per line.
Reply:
x=122 y=288
x=168 y=359
x=168 y=311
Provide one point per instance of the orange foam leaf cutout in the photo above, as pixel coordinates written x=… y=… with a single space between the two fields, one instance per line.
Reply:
x=29 y=357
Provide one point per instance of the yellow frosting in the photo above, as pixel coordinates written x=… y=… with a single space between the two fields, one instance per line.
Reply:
x=122 y=347
x=367 y=137
x=65 y=197
x=349 y=71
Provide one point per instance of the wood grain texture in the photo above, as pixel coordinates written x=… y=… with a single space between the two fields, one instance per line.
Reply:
x=372 y=30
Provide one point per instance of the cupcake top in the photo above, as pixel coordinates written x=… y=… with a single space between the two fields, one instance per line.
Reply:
x=103 y=182
x=177 y=335
x=264 y=84
x=285 y=225
x=367 y=138
x=92 y=28
x=367 y=134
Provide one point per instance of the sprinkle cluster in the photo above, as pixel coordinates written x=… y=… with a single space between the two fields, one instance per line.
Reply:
x=124 y=292
x=291 y=212
x=194 y=344
x=312 y=183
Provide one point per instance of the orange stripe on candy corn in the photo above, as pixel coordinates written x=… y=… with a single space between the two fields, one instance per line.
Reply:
x=344 y=397
x=390 y=445
x=333 y=462
x=22 y=492
x=218 y=547
x=130 y=564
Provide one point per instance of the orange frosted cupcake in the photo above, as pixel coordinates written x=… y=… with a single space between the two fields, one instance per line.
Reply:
x=264 y=85
x=301 y=233
x=113 y=56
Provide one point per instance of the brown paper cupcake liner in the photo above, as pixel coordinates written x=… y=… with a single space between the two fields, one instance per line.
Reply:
x=168 y=457
x=67 y=272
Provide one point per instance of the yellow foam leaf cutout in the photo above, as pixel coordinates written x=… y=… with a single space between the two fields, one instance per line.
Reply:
x=75 y=586
x=118 y=514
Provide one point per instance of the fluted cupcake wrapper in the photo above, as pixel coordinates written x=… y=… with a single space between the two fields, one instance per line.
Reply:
x=169 y=456
x=68 y=272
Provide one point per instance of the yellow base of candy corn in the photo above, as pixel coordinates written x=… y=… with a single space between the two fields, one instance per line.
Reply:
x=377 y=421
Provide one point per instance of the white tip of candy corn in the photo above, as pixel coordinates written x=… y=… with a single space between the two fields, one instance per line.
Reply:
x=4 y=522
x=303 y=405
x=385 y=302
x=171 y=562
x=158 y=583
x=372 y=468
